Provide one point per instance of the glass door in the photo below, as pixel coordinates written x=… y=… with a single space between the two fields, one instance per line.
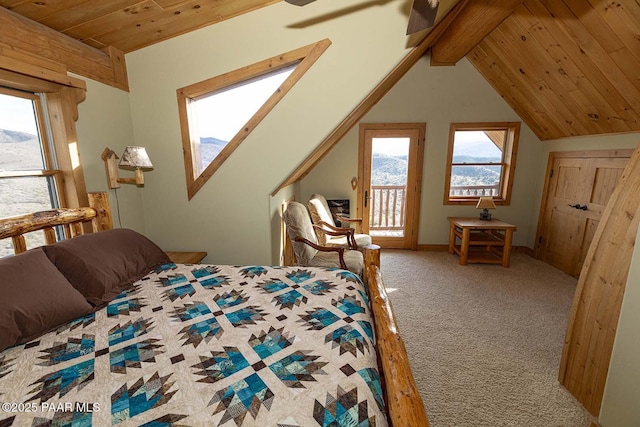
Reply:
x=390 y=173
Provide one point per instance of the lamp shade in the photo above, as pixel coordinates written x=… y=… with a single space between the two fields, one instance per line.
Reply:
x=135 y=157
x=486 y=202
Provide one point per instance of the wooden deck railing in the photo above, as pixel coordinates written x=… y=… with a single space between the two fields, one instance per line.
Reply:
x=474 y=190
x=388 y=203
x=387 y=207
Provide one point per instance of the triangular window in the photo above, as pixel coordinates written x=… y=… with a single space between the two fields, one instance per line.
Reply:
x=216 y=115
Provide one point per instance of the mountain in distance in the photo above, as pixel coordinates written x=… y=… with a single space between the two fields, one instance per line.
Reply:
x=475 y=175
x=20 y=151
x=7 y=135
x=388 y=170
x=210 y=147
x=462 y=158
x=392 y=170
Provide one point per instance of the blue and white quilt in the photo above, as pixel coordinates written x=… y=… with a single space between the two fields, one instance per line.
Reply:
x=206 y=345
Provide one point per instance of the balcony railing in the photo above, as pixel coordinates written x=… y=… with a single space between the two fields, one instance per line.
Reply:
x=474 y=190
x=387 y=204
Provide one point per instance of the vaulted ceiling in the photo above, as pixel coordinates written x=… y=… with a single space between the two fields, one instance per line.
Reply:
x=567 y=67
x=129 y=24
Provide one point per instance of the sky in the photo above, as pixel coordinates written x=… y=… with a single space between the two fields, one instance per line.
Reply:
x=475 y=143
x=223 y=114
x=17 y=114
x=391 y=146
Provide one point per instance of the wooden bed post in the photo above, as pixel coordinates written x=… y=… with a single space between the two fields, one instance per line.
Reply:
x=100 y=202
x=404 y=403
x=371 y=254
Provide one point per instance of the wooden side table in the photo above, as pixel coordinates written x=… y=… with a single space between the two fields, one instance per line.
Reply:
x=487 y=242
x=186 y=257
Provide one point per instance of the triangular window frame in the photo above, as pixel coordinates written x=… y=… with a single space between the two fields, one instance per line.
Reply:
x=304 y=57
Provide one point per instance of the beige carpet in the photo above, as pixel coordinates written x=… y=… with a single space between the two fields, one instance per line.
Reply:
x=484 y=342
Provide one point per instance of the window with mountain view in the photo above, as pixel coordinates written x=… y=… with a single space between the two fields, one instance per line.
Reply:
x=217 y=114
x=481 y=162
x=27 y=176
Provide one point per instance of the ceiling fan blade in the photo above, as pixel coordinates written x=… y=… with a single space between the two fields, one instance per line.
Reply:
x=422 y=16
x=299 y=2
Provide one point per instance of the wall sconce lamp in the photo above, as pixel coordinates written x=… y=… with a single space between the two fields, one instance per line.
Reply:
x=133 y=158
x=485 y=203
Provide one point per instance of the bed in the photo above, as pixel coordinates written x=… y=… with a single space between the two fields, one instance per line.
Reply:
x=103 y=329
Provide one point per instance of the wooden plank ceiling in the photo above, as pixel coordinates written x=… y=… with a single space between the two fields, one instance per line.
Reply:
x=567 y=67
x=129 y=24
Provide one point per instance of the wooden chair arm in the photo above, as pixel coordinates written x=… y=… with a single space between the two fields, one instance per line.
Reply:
x=345 y=219
x=324 y=226
x=338 y=231
x=338 y=249
x=357 y=221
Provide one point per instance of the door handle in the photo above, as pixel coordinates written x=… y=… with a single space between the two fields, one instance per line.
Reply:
x=578 y=206
x=366 y=198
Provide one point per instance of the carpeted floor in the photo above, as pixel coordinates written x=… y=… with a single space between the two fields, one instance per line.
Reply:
x=484 y=342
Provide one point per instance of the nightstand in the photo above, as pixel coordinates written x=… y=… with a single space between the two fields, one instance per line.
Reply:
x=481 y=241
x=186 y=257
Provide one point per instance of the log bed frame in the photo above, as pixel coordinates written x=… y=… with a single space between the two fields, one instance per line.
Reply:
x=404 y=404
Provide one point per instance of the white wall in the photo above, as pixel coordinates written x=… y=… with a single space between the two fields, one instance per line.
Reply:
x=104 y=120
x=231 y=215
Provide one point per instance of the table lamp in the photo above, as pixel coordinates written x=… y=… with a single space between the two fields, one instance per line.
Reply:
x=485 y=203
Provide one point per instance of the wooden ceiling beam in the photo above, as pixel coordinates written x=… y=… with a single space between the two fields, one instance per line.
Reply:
x=471 y=26
x=30 y=37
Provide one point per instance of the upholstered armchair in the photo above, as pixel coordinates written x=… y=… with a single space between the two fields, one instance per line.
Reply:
x=307 y=249
x=326 y=229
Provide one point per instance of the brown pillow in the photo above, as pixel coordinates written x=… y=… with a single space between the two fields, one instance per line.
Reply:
x=100 y=265
x=34 y=298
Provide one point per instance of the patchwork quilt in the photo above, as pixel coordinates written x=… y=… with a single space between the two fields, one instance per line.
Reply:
x=206 y=345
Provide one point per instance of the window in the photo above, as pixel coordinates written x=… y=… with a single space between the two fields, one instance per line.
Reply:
x=27 y=171
x=481 y=162
x=39 y=163
x=216 y=115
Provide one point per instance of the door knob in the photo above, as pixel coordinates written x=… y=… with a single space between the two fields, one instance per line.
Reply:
x=578 y=206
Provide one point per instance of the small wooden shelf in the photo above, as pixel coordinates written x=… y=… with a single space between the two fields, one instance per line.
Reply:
x=487 y=242
x=186 y=257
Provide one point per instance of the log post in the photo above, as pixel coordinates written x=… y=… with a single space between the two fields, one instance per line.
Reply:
x=371 y=257
x=100 y=202
x=403 y=400
x=19 y=244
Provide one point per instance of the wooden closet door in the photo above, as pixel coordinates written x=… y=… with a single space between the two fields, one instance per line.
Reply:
x=562 y=224
x=578 y=188
x=594 y=315
x=604 y=174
